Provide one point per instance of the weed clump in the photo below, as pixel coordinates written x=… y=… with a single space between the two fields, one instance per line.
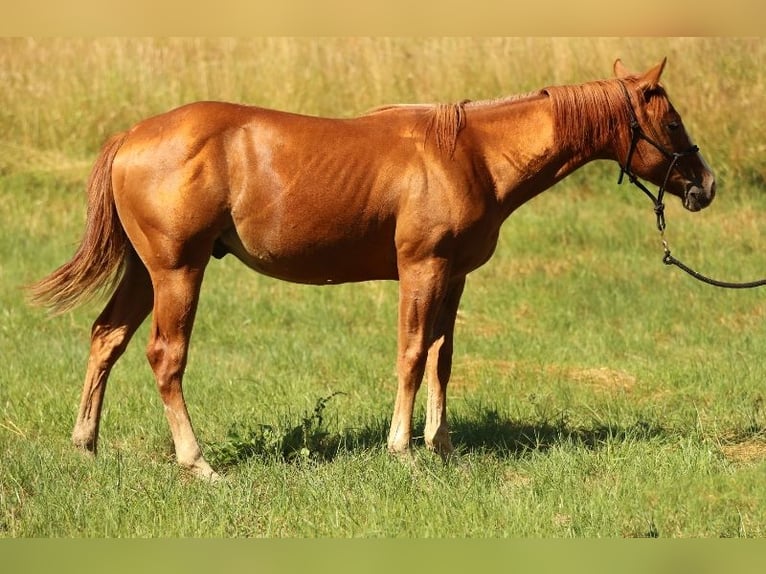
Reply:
x=309 y=440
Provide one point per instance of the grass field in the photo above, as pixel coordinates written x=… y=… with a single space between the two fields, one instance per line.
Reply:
x=595 y=392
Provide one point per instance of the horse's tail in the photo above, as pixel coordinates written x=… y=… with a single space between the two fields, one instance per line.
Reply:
x=100 y=259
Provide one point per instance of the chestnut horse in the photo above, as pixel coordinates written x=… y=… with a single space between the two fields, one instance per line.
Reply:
x=414 y=193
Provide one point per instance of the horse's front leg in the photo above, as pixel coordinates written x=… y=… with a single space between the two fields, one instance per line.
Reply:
x=438 y=369
x=421 y=291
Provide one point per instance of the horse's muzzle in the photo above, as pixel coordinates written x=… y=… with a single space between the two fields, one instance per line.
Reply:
x=699 y=196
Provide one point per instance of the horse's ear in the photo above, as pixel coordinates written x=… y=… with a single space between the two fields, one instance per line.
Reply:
x=651 y=79
x=620 y=70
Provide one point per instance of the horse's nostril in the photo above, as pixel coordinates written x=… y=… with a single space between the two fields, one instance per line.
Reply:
x=699 y=196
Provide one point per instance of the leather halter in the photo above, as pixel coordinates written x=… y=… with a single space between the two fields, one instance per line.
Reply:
x=637 y=133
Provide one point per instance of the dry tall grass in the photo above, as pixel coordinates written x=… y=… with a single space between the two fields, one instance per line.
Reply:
x=62 y=97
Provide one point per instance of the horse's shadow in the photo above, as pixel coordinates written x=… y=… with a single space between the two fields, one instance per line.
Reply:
x=485 y=431
x=488 y=431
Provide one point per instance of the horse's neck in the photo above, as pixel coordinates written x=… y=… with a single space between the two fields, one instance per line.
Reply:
x=520 y=149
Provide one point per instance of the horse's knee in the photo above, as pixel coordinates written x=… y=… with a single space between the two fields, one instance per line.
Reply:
x=413 y=359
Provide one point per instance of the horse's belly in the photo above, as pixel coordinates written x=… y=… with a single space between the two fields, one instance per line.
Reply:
x=318 y=264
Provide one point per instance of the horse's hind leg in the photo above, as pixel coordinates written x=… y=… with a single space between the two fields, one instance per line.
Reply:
x=110 y=335
x=175 y=304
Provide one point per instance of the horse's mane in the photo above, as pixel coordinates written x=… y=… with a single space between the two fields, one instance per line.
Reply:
x=443 y=122
x=586 y=116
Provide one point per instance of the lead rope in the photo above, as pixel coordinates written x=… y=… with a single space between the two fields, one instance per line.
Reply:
x=668 y=259
x=659 y=212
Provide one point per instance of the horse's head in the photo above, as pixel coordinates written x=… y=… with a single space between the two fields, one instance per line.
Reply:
x=659 y=149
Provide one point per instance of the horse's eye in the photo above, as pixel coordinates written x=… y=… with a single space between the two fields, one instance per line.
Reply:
x=673 y=126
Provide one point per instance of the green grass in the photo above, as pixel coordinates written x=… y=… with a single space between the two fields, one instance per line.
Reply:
x=595 y=392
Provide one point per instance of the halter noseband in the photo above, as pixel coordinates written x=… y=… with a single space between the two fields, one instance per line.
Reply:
x=638 y=133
